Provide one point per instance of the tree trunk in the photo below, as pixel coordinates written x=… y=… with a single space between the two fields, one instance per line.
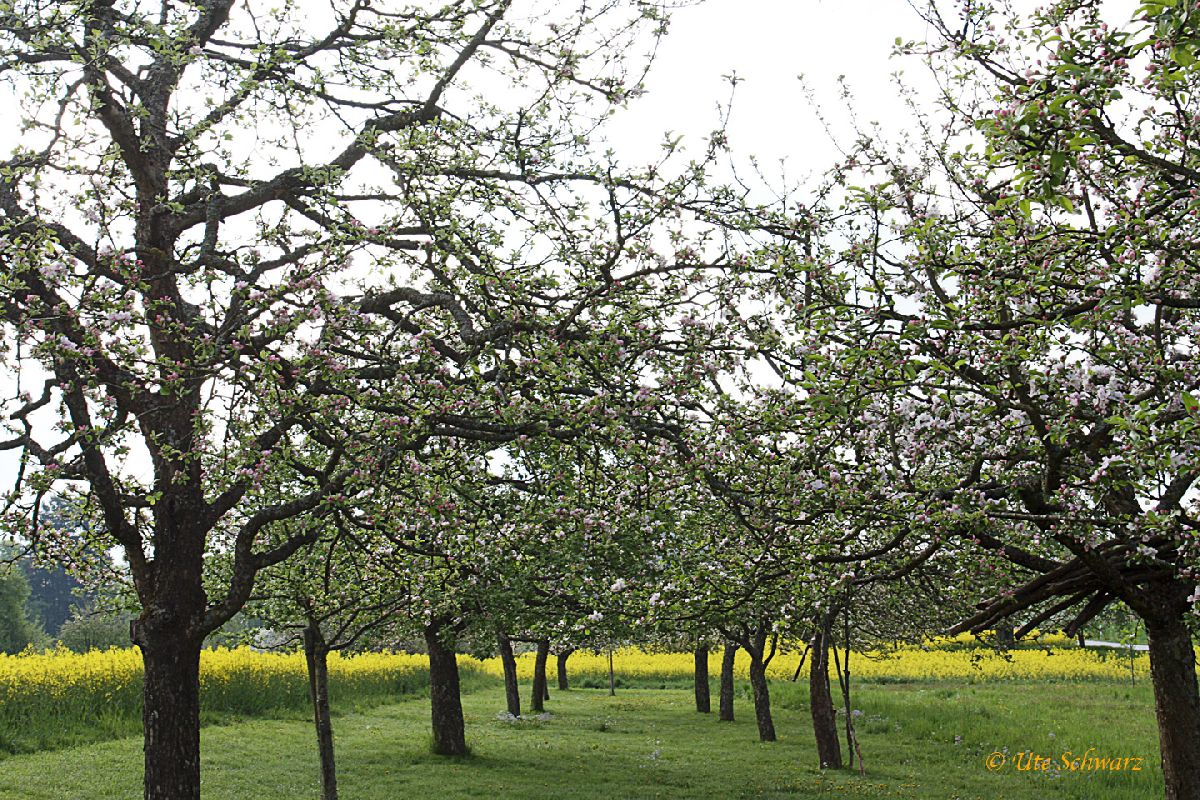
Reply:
x=540 y=690
x=703 y=700
x=171 y=714
x=563 y=683
x=726 y=692
x=612 y=676
x=512 y=689
x=762 y=696
x=316 y=654
x=829 y=751
x=1177 y=705
x=449 y=735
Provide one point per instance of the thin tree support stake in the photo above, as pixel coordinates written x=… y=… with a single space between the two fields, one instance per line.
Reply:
x=843 y=670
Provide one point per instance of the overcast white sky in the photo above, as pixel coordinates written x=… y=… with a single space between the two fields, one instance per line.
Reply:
x=769 y=43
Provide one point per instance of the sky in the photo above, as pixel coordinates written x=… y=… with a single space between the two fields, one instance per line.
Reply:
x=769 y=44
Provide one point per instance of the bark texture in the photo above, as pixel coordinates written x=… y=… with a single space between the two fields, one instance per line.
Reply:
x=758 y=686
x=563 y=682
x=449 y=734
x=829 y=751
x=725 y=714
x=171 y=717
x=703 y=696
x=1177 y=706
x=512 y=689
x=541 y=692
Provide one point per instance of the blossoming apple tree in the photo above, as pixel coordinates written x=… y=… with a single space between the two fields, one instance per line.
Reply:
x=1012 y=327
x=255 y=255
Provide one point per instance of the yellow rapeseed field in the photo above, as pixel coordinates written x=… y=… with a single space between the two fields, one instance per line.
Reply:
x=37 y=689
x=59 y=687
x=1058 y=660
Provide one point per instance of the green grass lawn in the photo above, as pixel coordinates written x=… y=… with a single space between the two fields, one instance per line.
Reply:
x=919 y=740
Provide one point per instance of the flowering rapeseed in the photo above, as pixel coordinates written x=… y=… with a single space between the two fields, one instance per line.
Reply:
x=60 y=687
x=1055 y=659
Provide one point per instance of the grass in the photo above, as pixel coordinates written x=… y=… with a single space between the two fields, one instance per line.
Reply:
x=920 y=741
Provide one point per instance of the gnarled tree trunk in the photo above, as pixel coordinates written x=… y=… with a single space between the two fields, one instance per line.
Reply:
x=829 y=751
x=758 y=685
x=703 y=699
x=512 y=689
x=540 y=690
x=1177 y=706
x=445 y=699
x=725 y=713
x=316 y=655
x=563 y=683
x=171 y=713
x=170 y=634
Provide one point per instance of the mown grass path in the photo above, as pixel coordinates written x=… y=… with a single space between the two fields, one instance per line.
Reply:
x=651 y=744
